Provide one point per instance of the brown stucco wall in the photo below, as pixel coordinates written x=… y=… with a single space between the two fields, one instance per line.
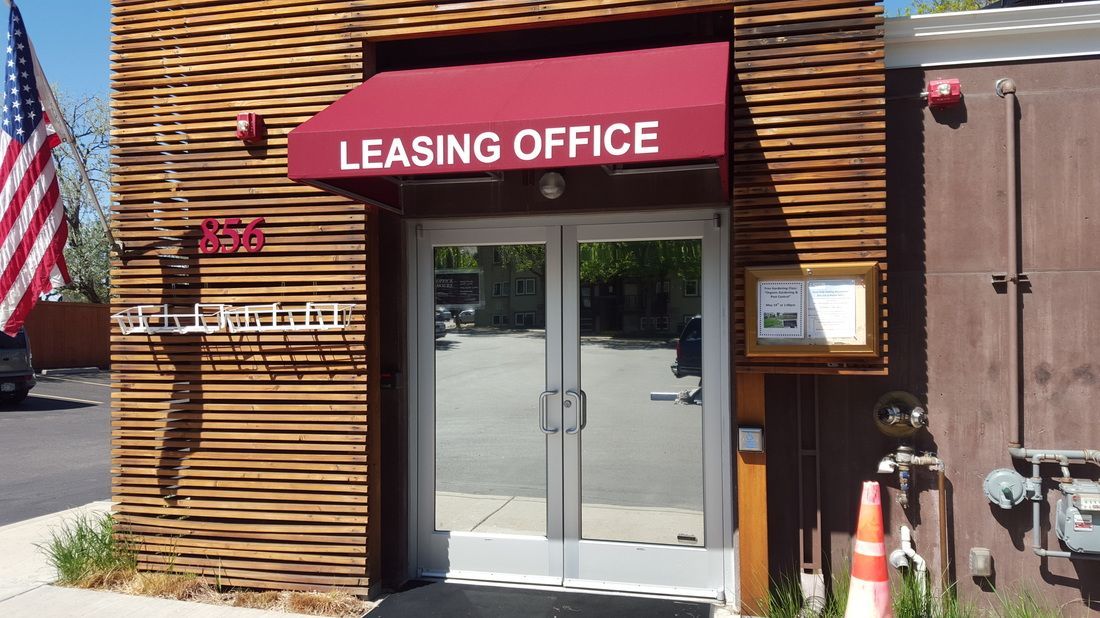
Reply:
x=946 y=206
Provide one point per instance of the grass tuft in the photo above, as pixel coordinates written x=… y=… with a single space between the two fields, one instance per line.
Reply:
x=910 y=598
x=784 y=598
x=179 y=586
x=333 y=603
x=265 y=599
x=87 y=552
x=1024 y=603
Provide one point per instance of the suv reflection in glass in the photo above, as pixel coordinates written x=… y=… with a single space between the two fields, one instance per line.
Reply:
x=689 y=350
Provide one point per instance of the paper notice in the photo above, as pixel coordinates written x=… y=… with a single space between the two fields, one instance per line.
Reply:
x=832 y=311
x=780 y=310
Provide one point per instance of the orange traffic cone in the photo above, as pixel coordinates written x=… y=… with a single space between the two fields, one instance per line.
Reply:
x=869 y=594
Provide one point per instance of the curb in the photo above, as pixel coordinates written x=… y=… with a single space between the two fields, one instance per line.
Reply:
x=70 y=370
x=34 y=520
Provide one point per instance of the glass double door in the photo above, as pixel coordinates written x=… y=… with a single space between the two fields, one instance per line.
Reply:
x=563 y=437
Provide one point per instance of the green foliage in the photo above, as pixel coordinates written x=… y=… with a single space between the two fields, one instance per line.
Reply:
x=784 y=598
x=653 y=259
x=926 y=7
x=836 y=603
x=455 y=257
x=910 y=599
x=524 y=258
x=87 y=257
x=785 y=601
x=599 y=261
x=88 y=249
x=87 y=548
x=1023 y=603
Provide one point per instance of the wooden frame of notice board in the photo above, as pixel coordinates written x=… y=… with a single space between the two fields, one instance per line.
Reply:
x=813 y=310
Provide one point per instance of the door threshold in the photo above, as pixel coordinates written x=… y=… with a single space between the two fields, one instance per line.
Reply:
x=711 y=599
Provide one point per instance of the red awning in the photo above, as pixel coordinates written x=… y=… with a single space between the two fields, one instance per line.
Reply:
x=637 y=107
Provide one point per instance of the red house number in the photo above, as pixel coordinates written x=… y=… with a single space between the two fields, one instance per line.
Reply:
x=213 y=231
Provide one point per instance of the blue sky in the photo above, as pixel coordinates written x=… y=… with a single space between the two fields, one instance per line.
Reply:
x=72 y=38
x=893 y=7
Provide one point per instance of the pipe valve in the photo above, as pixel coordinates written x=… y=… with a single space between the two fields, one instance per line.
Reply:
x=900 y=415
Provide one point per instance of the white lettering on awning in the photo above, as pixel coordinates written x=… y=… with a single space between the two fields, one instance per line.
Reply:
x=550 y=144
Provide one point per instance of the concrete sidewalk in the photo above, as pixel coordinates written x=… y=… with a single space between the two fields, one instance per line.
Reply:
x=25 y=575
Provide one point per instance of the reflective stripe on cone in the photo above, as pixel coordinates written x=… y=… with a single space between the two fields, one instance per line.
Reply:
x=869 y=594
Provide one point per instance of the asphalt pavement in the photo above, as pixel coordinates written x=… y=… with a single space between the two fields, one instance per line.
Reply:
x=54 y=446
x=640 y=459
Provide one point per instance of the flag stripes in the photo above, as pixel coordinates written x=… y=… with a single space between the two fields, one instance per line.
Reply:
x=33 y=229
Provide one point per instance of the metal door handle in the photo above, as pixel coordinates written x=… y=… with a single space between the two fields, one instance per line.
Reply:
x=542 y=412
x=581 y=414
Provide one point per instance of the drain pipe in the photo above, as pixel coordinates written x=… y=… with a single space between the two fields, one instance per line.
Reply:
x=1006 y=89
x=907 y=557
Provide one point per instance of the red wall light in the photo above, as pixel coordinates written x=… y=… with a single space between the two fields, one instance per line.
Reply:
x=944 y=93
x=250 y=127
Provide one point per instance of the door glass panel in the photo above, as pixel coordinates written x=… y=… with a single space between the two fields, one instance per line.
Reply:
x=490 y=368
x=642 y=459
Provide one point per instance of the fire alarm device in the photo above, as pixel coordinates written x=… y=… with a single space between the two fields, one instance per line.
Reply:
x=944 y=93
x=250 y=127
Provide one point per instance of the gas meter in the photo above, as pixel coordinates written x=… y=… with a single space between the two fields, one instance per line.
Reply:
x=1077 y=518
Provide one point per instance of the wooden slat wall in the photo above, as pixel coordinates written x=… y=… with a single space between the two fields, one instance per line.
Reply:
x=809 y=147
x=65 y=335
x=247 y=456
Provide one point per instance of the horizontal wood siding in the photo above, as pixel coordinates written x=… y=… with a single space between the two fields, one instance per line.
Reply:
x=67 y=335
x=809 y=148
x=246 y=456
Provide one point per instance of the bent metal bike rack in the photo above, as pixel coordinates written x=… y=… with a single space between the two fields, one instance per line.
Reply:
x=161 y=319
x=275 y=318
x=205 y=318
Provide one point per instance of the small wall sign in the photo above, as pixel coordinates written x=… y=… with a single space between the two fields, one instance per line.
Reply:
x=813 y=310
x=218 y=237
x=750 y=439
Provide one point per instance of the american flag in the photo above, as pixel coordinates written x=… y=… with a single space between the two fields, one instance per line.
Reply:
x=33 y=230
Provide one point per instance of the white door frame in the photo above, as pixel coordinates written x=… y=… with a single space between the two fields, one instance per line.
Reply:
x=715 y=330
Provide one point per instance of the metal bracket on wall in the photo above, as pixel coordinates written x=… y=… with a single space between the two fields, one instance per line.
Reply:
x=1000 y=280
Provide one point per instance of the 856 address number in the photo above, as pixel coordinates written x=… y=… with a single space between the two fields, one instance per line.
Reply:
x=218 y=237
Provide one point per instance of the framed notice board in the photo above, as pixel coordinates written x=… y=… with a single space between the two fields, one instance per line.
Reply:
x=813 y=310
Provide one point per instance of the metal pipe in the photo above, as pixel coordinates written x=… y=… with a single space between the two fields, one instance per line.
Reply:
x=1006 y=88
x=1057 y=455
x=945 y=571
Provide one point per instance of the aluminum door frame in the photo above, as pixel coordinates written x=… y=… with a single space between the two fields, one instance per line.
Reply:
x=719 y=215
x=646 y=567
x=515 y=558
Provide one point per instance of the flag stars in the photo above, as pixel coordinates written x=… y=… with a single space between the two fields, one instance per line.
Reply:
x=19 y=131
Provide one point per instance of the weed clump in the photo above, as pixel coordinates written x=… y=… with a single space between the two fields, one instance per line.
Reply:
x=88 y=553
